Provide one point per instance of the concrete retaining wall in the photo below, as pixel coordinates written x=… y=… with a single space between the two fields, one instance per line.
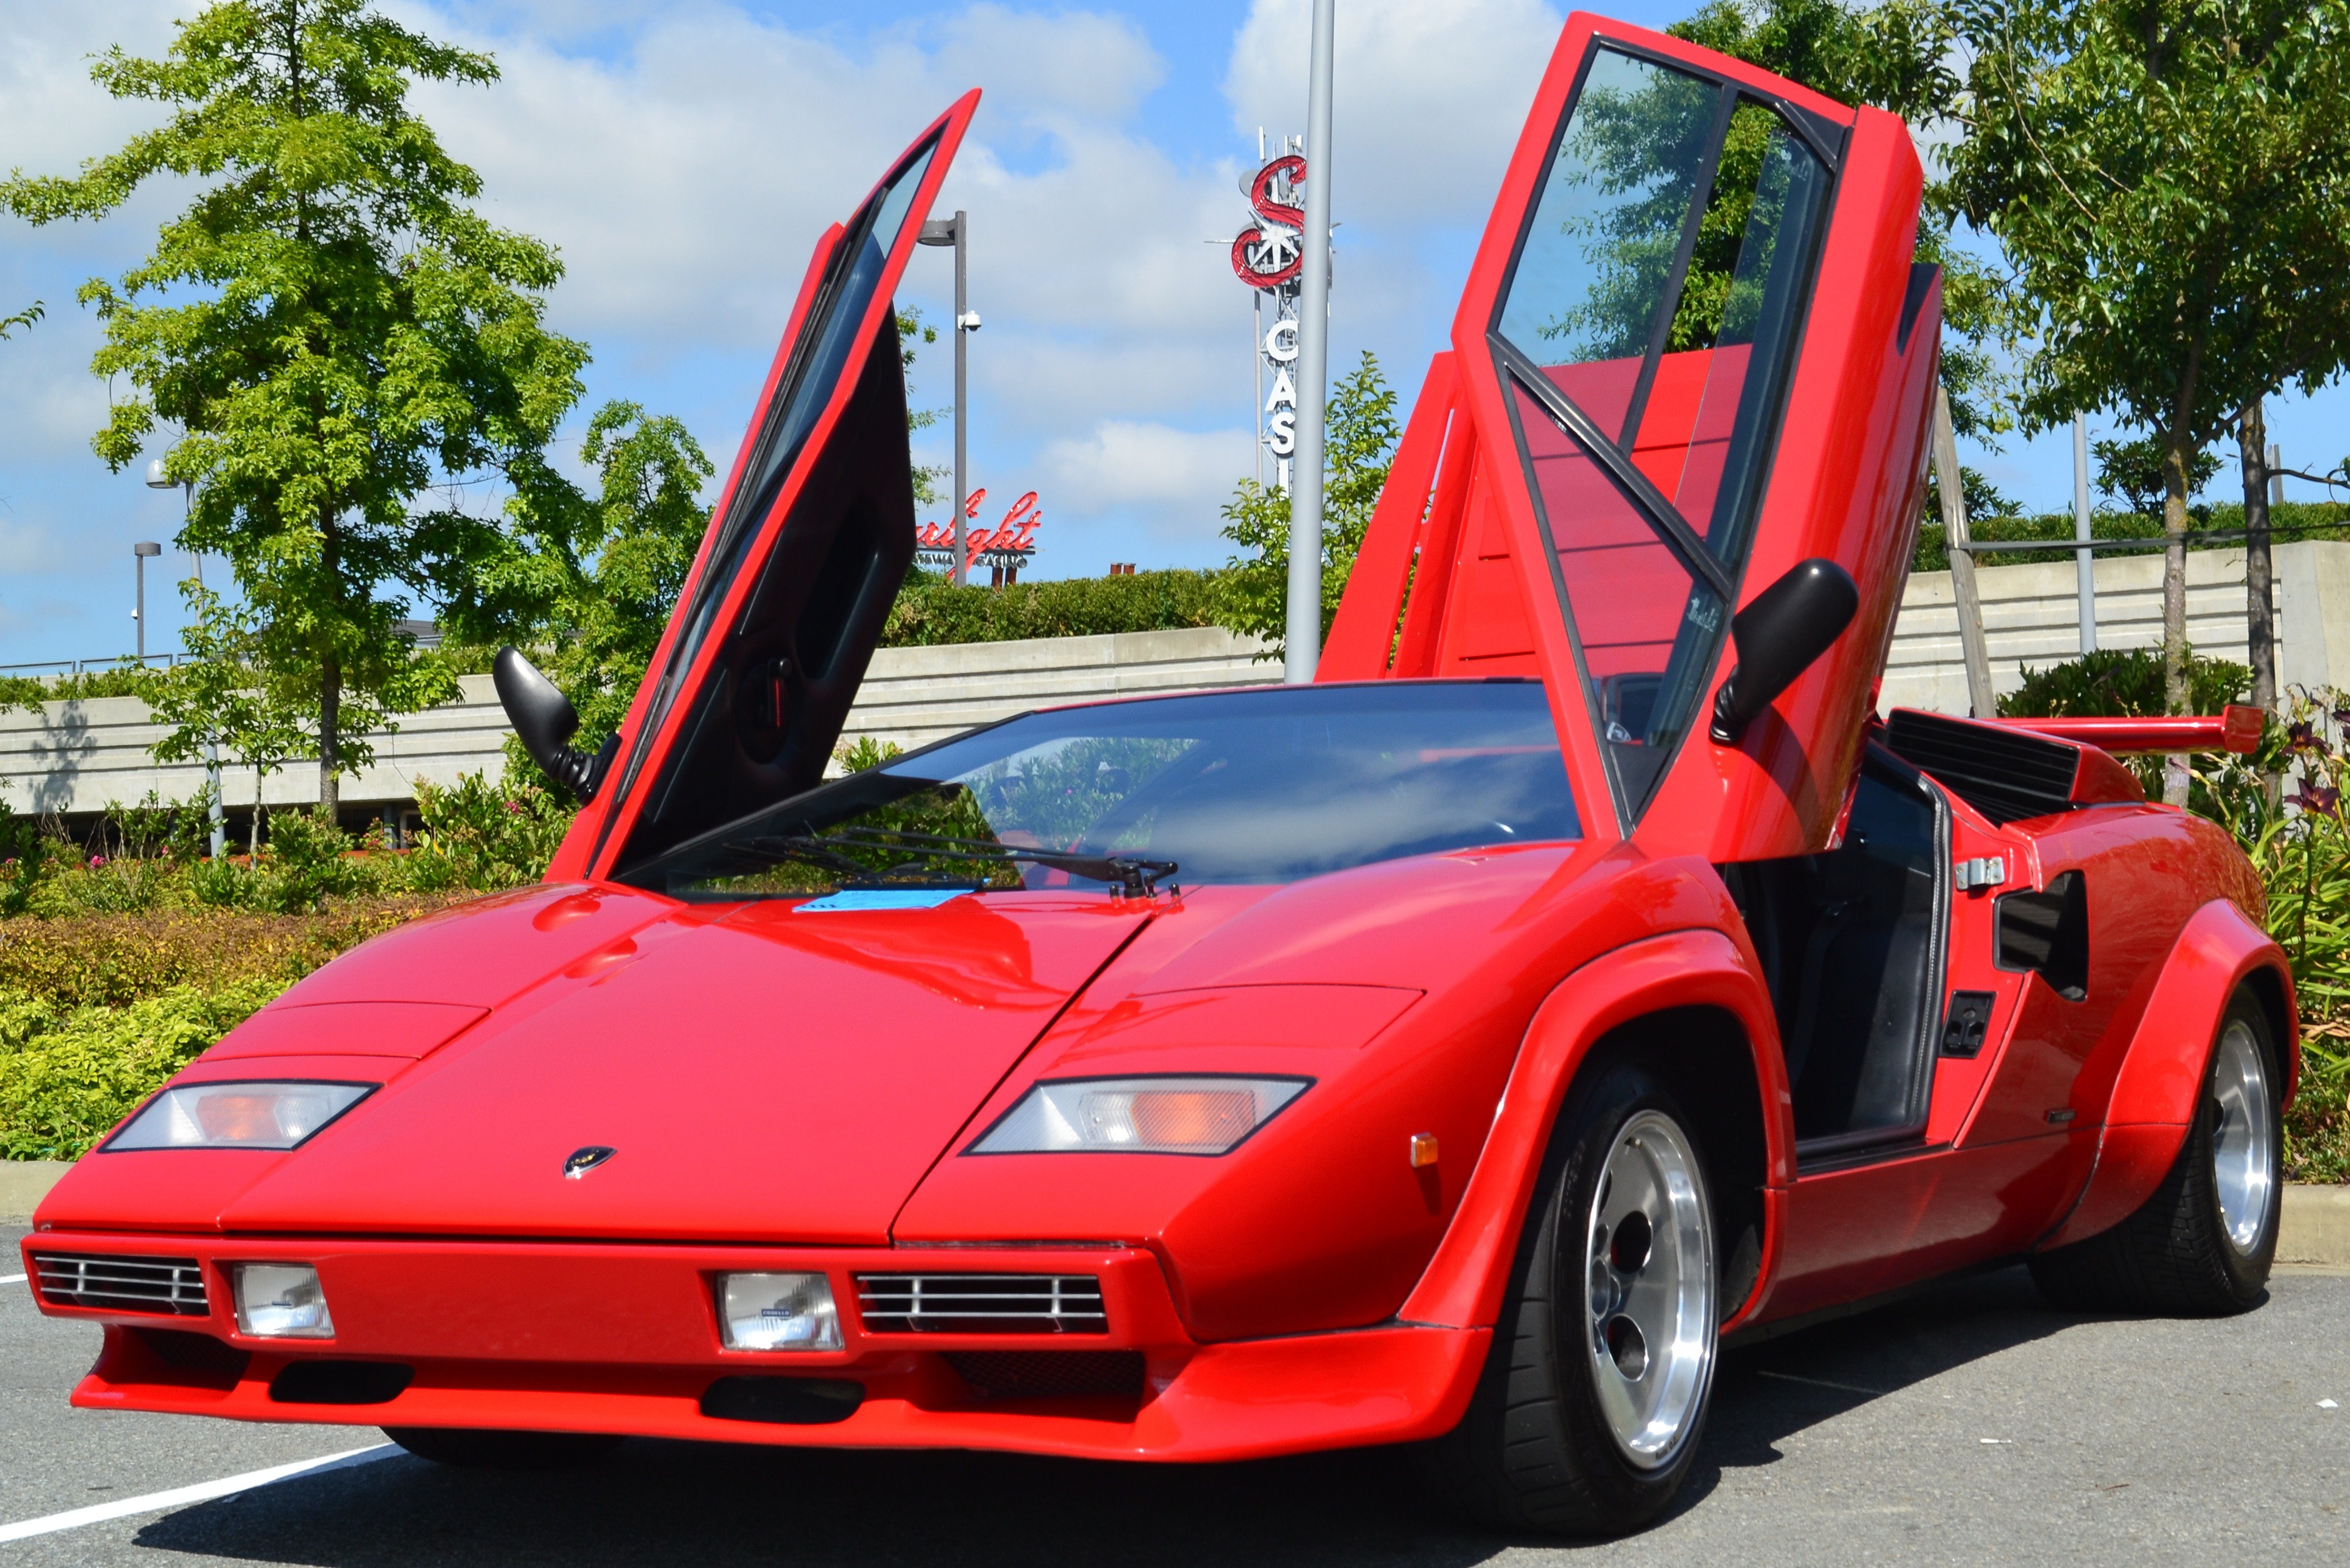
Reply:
x=2031 y=617
x=75 y=757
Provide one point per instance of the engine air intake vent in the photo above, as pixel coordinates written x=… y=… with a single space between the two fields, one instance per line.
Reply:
x=2006 y=775
x=171 y=1286
x=981 y=1303
x=1050 y=1374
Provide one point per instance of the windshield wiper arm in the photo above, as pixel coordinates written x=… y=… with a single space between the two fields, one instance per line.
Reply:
x=1132 y=876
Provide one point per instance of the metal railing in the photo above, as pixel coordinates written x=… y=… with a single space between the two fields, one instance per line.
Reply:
x=92 y=665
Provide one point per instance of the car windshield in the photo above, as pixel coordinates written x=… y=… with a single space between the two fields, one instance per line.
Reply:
x=1271 y=784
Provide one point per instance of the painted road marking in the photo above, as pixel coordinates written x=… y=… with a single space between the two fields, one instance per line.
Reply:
x=11 y=1279
x=180 y=1497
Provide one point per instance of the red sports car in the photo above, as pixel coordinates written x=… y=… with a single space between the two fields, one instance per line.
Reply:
x=1459 y=1050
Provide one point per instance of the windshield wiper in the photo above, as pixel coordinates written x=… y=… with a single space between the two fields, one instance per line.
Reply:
x=1132 y=876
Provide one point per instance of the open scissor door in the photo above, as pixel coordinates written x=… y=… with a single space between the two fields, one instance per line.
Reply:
x=1693 y=352
x=809 y=544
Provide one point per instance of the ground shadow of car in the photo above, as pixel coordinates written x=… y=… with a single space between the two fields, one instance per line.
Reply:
x=717 y=1506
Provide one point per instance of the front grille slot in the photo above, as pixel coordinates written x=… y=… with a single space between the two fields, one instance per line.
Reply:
x=1050 y=1374
x=981 y=1303
x=173 y=1287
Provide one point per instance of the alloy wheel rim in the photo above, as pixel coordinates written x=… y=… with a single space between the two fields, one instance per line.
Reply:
x=2244 y=1152
x=1649 y=1307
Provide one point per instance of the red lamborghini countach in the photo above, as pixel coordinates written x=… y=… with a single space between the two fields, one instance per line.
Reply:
x=1458 y=1051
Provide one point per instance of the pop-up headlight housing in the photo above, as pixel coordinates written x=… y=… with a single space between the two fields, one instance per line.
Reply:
x=236 y=1115
x=1206 y=1114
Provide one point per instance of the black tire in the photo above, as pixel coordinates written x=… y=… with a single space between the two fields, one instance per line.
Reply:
x=485 y=1451
x=2175 y=1257
x=1535 y=1451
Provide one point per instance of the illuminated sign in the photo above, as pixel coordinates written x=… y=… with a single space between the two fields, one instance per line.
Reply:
x=1269 y=255
x=1007 y=546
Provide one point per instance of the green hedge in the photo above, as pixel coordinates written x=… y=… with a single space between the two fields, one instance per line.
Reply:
x=929 y=612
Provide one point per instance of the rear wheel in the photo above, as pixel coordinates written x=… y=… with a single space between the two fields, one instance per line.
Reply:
x=1594 y=1391
x=483 y=1451
x=2202 y=1244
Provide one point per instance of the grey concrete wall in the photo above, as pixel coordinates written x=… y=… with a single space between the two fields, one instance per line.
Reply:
x=75 y=757
x=2031 y=618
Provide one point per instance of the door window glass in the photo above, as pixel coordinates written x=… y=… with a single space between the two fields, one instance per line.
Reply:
x=1647 y=628
x=1598 y=261
x=1739 y=306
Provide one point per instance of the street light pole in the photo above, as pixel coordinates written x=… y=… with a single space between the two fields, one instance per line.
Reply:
x=956 y=231
x=2085 y=572
x=1302 y=636
x=139 y=554
x=156 y=481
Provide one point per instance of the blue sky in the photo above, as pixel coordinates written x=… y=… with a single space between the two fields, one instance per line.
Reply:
x=684 y=156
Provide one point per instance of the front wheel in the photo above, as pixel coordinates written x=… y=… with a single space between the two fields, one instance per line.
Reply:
x=1587 y=1416
x=2201 y=1246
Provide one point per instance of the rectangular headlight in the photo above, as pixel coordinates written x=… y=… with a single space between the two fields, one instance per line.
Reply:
x=1139 y=1116
x=236 y=1115
x=778 y=1312
x=282 y=1301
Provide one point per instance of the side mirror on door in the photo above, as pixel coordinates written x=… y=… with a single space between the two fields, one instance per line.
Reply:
x=544 y=720
x=1790 y=624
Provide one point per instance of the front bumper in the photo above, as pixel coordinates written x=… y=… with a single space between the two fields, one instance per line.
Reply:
x=619 y=1338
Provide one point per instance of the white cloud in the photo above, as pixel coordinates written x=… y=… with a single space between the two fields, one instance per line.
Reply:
x=1169 y=480
x=1428 y=97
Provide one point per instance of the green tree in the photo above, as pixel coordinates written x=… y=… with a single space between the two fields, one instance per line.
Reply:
x=610 y=581
x=2131 y=472
x=2164 y=176
x=24 y=317
x=913 y=332
x=342 y=337
x=1896 y=56
x=1360 y=443
x=225 y=698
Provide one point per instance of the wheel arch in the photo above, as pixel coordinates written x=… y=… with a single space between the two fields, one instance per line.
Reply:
x=1690 y=1005
x=2219 y=952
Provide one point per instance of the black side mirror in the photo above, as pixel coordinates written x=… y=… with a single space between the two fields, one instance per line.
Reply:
x=1790 y=624
x=545 y=721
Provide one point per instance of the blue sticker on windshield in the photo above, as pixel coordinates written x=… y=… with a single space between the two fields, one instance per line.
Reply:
x=882 y=898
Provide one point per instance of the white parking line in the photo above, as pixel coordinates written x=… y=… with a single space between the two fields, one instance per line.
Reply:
x=180 y=1497
x=11 y=1279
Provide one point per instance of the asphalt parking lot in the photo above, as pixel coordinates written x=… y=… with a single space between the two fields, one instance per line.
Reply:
x=1968 y=1426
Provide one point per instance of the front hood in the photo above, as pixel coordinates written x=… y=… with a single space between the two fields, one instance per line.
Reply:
x=768 y=1074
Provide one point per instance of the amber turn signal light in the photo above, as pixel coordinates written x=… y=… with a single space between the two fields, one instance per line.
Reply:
x=1423 y=1150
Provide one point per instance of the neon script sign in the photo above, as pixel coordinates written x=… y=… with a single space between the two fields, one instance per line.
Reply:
x=1010 y=544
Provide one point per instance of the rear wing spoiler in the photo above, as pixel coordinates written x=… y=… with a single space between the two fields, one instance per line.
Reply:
x=2236 y=729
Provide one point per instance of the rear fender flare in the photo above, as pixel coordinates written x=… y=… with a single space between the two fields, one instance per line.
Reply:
x=1468 y=1276
x=2160 y=1085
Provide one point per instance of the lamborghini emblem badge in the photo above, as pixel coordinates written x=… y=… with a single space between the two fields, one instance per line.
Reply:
x=580 y=1161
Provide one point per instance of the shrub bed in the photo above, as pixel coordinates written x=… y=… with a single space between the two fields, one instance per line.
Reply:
x=69 y=1074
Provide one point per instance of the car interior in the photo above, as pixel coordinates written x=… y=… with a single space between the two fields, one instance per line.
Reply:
x=1852 y=944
